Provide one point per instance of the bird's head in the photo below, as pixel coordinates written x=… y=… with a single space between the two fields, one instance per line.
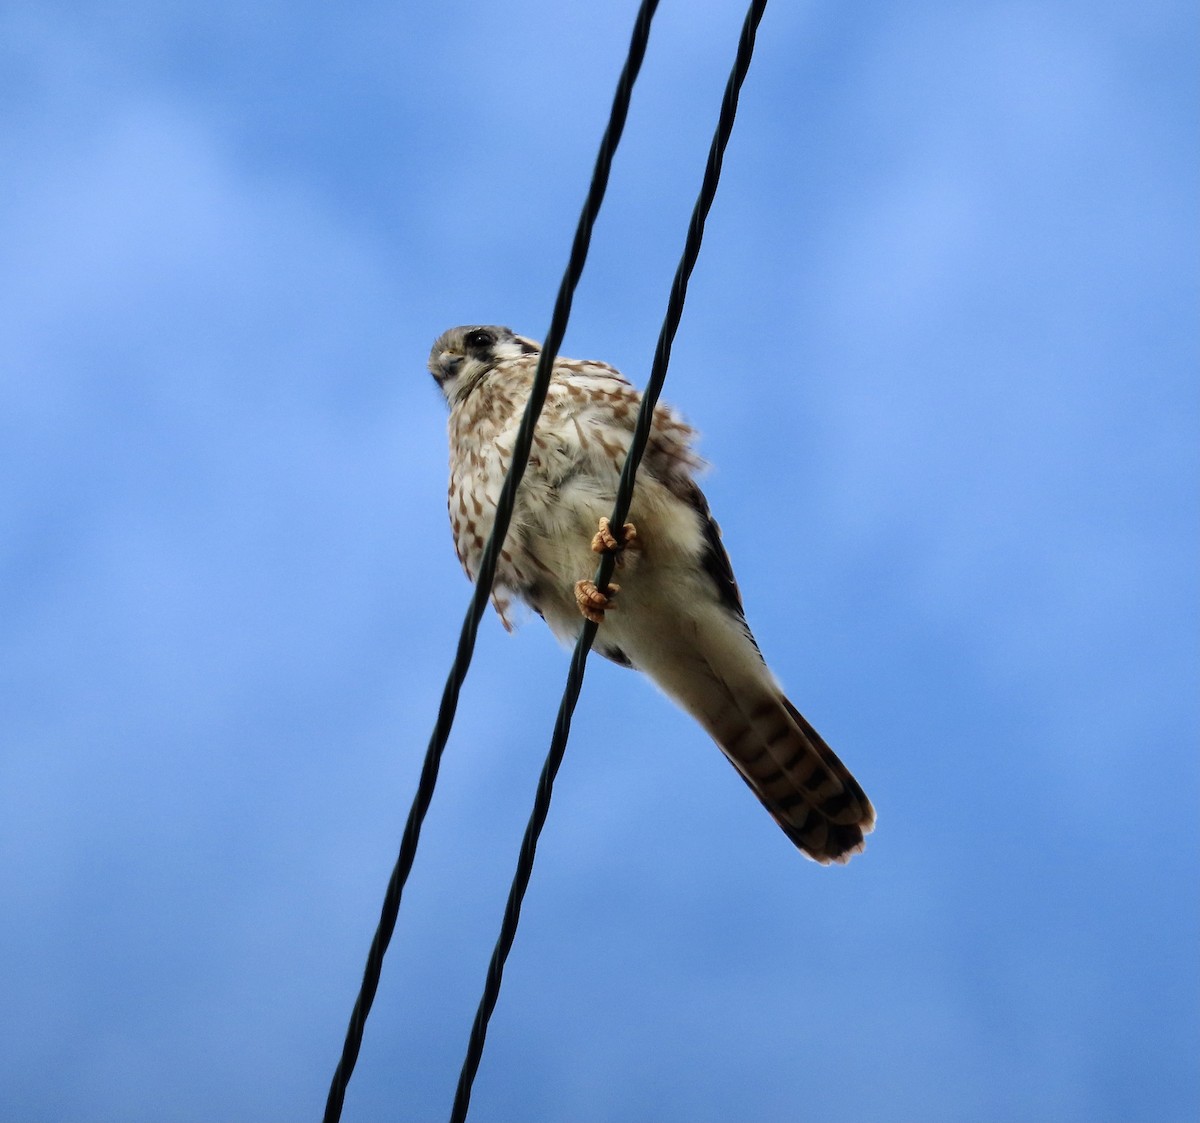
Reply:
x=464 y=355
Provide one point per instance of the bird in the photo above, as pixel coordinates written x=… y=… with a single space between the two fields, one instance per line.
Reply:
x=677 y=613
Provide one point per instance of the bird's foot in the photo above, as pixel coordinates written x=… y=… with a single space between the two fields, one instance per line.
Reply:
x=605 y=542
x=592 y=602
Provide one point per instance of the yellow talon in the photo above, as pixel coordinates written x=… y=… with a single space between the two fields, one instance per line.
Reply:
x=605 y=542
x=592 y=602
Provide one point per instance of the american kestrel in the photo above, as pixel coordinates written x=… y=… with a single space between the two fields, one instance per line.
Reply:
x=678 y=613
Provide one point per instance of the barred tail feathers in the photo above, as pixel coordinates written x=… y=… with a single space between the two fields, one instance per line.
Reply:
x=722 y=681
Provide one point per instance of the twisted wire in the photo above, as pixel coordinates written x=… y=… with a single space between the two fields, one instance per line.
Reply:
x=487 y=568
x=624 y=497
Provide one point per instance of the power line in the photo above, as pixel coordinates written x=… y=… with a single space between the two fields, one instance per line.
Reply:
x=487 y=568
x=624 y=497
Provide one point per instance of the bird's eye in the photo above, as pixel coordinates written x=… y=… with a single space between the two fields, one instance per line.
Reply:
x=479 y=339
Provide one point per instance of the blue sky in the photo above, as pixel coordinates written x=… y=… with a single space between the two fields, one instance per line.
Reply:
x=942 y=346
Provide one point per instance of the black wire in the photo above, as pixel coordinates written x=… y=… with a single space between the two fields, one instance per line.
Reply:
x=624 y=497
x=487 y=567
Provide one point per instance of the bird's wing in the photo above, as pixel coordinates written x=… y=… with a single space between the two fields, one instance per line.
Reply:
x=715 y=558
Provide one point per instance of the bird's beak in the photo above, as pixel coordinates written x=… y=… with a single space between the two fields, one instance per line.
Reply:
x=447 y=366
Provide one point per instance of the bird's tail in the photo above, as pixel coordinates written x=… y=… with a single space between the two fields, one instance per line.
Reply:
x=799 y=779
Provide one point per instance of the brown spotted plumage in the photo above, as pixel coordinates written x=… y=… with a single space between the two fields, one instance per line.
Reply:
x=678 y=616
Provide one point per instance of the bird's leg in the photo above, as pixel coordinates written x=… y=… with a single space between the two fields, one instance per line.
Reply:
x=605 y=542
x=592 y=602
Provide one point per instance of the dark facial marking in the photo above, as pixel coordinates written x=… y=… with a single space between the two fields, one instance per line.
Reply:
x=479 y=339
